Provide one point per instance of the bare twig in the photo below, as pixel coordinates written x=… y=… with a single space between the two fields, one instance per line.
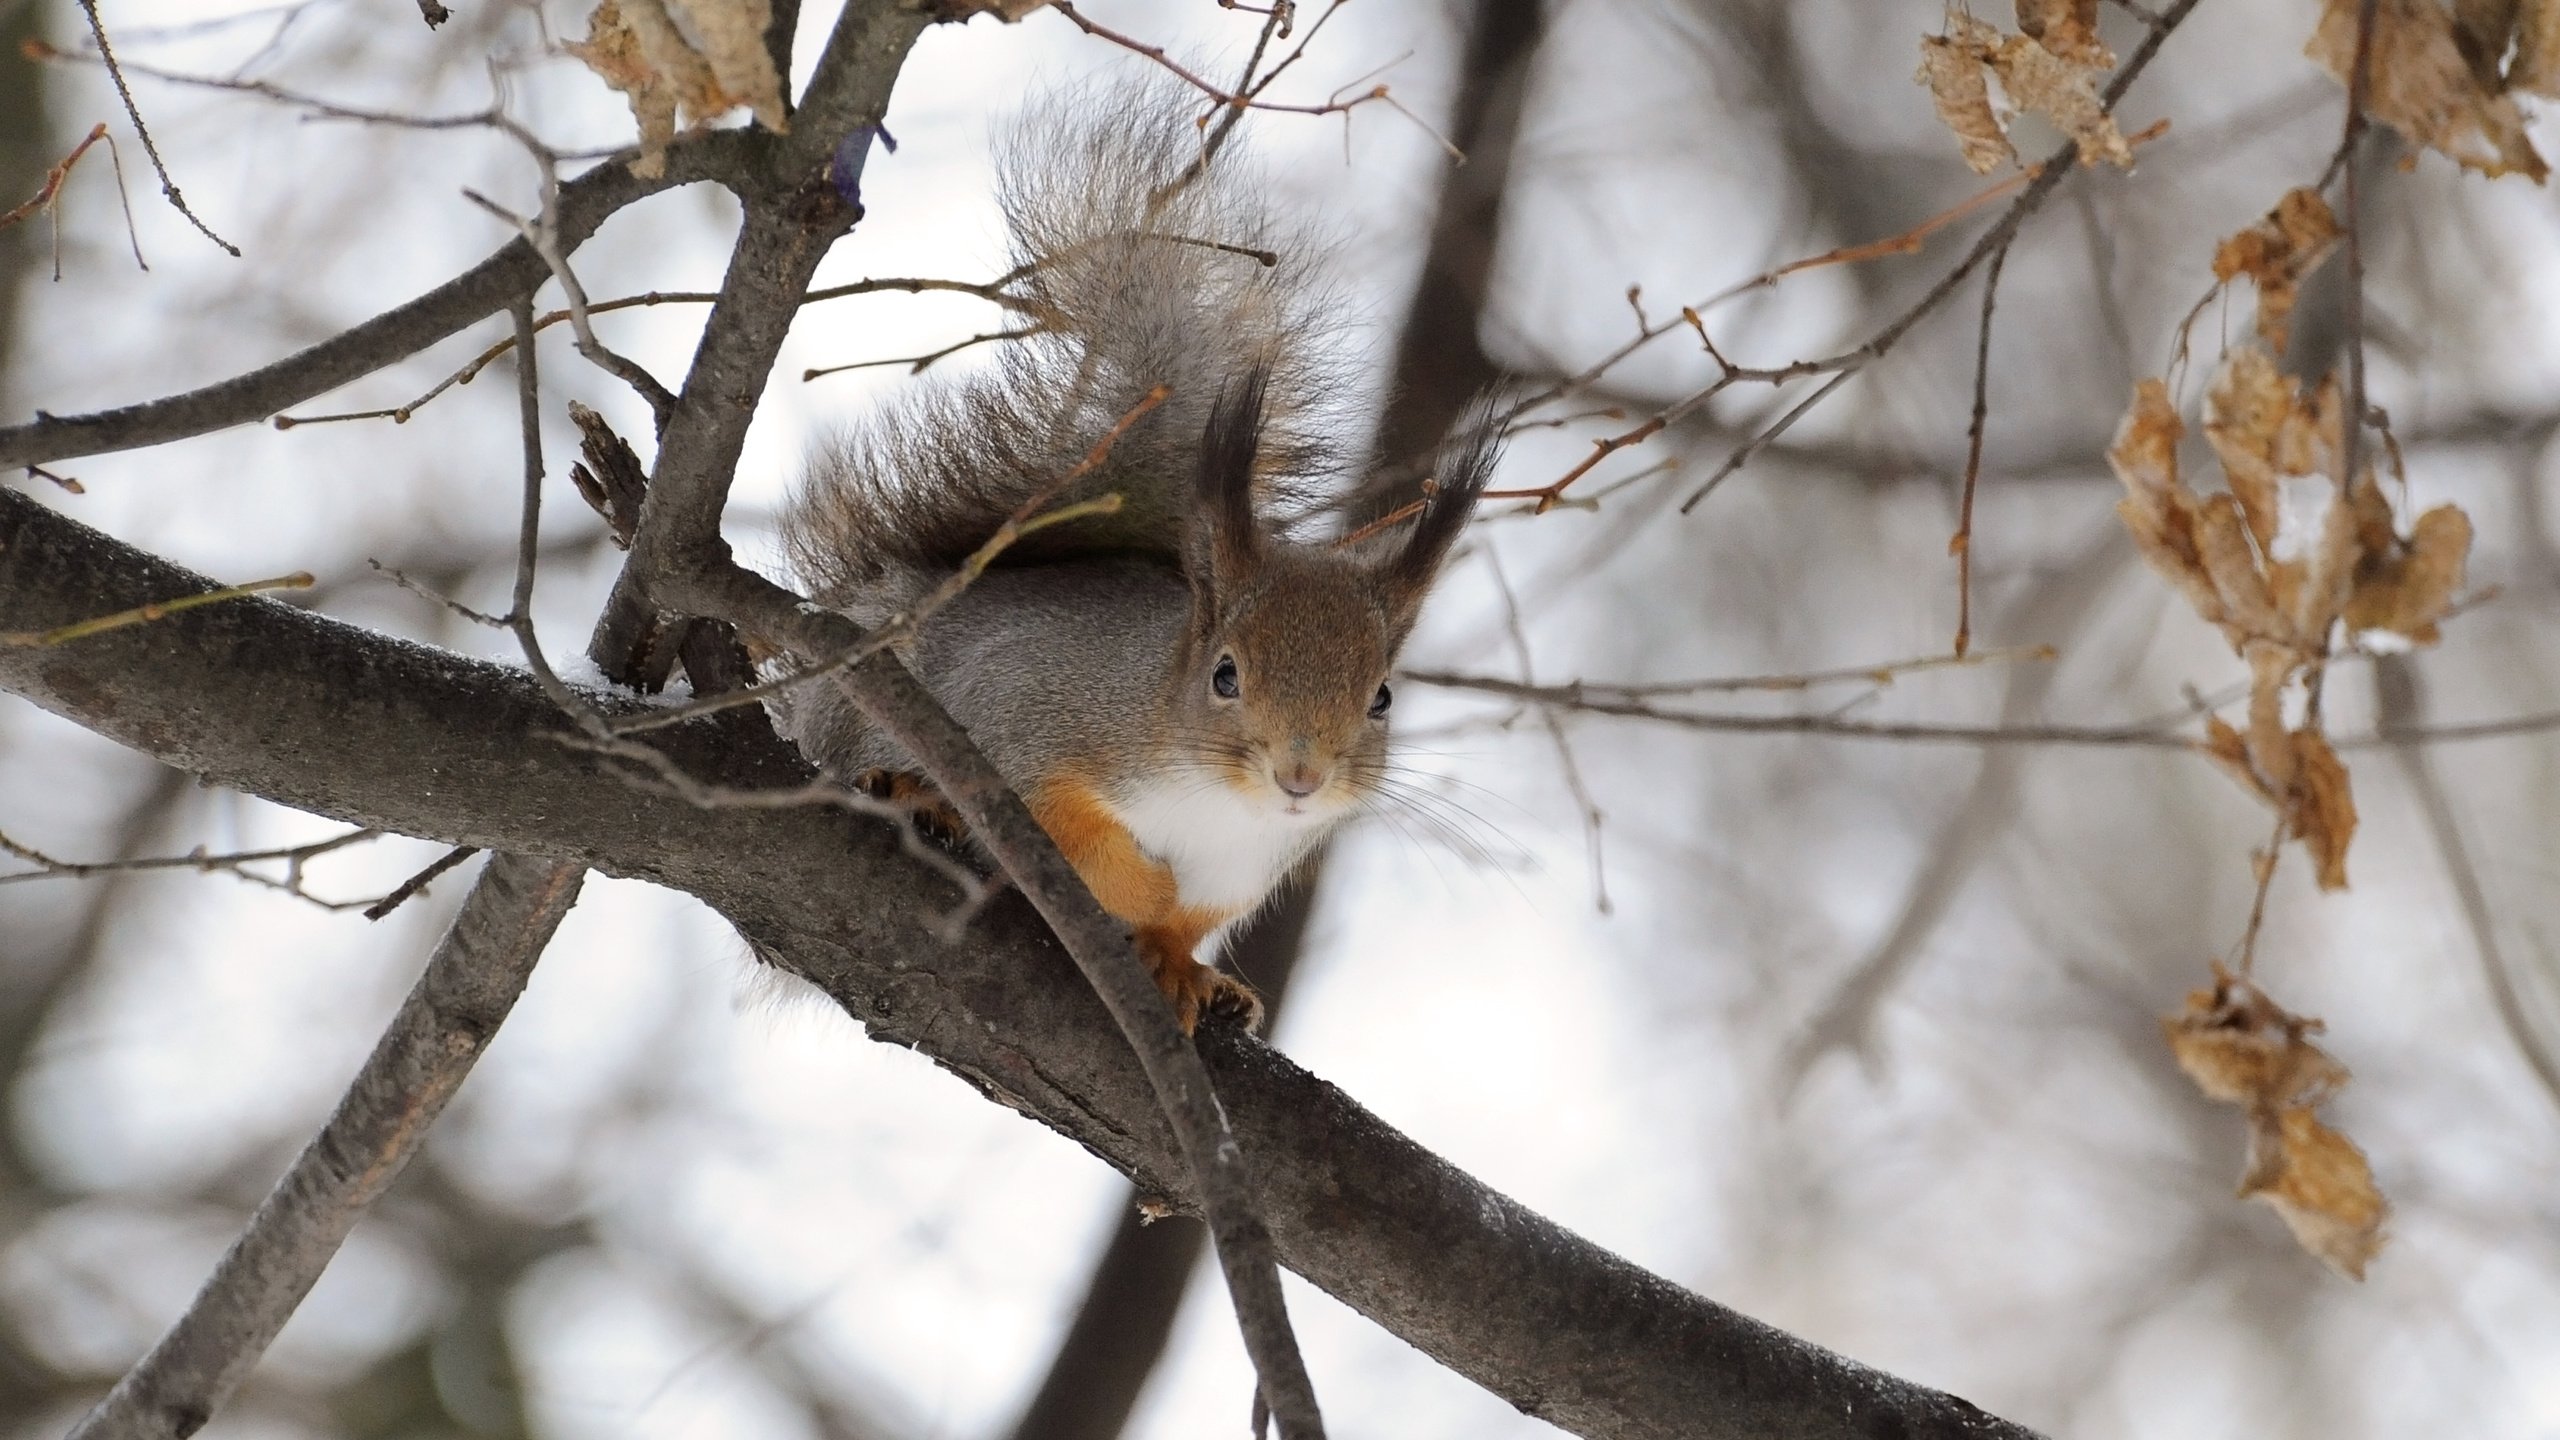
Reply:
x=2262 y=864
x=1909 y=241
x=2156 y=734
x=470 y=984
x=1234 y=100
x=316 y=107
x=44 y=198
x=1994 y=241
x=543 y=233
x=168 y=187
x=144 y=614
x=519 y=616
x=918 y=364
x=484 y=289
x=238 y=862
x=1026 y=519
x=2359 y=81
x=1961 y=546
x=1879 y=675
x=991 y=291
x=407 y=890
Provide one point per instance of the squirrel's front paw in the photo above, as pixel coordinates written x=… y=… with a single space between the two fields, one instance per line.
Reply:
x=1196 y=990
x=916 y=795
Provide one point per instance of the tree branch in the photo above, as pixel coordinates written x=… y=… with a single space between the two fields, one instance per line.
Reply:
x=331 y=718
x=451 y=1014
x=513 y=273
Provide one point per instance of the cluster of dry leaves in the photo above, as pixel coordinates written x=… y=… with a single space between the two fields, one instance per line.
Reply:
x=2293 y=557
x=2243 y=1048
x=2050 y=68
x=682 y=63
x=2447 y=78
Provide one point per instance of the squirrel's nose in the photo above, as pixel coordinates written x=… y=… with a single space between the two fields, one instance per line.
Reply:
x=1299 y=780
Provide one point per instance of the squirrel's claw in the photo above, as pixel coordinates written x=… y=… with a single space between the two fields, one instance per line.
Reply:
x=1196 y=990
x=915 y=794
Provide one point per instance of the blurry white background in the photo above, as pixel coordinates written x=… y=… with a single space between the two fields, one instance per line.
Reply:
x=1863 y=1042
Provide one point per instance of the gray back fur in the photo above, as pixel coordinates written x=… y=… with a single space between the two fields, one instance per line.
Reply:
x=1116 y=221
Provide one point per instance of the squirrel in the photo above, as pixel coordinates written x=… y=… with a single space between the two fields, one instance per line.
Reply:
x=1187 y=698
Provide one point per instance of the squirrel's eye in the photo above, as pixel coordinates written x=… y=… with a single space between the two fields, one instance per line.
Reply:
x=1223 y=679
x=1378 y=706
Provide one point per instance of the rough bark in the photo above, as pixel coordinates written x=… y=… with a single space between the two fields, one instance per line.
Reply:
x=349 y=723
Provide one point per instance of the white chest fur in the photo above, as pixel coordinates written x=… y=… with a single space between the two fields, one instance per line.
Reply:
x=1226 y=848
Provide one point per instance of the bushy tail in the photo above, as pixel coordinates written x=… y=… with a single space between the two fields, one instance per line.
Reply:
x=1143 y=263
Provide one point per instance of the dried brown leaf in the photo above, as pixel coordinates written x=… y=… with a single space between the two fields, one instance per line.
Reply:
x=2536 y=68
x=2230 y=753
x=2319 y=1182
x=612 y=50
x=2409 y=587
x=2420 y=84
x=2065 y=93
x=2067 y=28
x=2245 y=415
x=1951 y=66
x=729 y=36
x=2324 y=815
x=2242 y=1048
x=2145 y=450
x=2483 y=29
x=690 y=65
x=2248 y=605
x=2158 y=509
x=2271 y=749
x=2276 y=253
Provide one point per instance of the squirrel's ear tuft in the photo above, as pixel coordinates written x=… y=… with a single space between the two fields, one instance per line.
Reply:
x=1228 y=447
x=1459 y=479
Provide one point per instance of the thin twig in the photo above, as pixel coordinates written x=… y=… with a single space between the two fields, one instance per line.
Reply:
x=1594 y=819
x=1994 y=241
x=2359 y=80
x=318 y=108
x=1906 y=242
x=991 y=291
x=402 y=893
x=61 y=170
x=1879 y=675
x=423 y=591
x=1026 y=519
x=168 y=187
x=237 y=863
x=519 y=616
x=2263 y=864
x=918 y=364
x=470 y=984
x=1961 y=546
x=1236 y=100
x=543 y=233
x=146 y=613
x=2152 y=734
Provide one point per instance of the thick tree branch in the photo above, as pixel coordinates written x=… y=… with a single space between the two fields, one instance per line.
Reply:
x=681 y=564
x=348 y=723
x=517 y=270
x=452 y=1013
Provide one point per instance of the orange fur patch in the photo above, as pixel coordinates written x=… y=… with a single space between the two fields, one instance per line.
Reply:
x=1139 y=890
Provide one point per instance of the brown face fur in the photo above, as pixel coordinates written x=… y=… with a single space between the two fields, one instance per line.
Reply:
x=1310 y=634
x=1289 y=645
